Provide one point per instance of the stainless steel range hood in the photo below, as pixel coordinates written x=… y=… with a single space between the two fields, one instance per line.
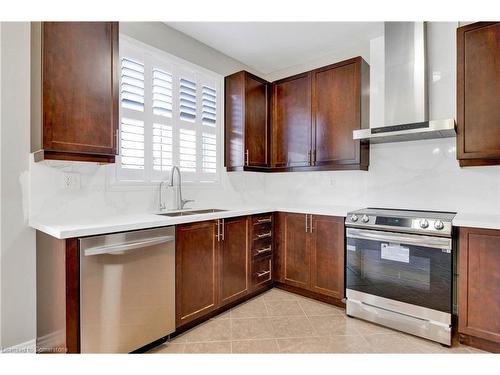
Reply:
x=406 y=108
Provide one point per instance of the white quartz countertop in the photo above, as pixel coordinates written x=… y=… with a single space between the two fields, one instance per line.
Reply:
x=477 y=221
x=68 y=227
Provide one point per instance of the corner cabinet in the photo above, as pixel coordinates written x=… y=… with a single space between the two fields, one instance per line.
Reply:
x=479 y=288
x=478 y=93
x=246 y=122
x=309 y=255
x=74 y=91
x=312 y=117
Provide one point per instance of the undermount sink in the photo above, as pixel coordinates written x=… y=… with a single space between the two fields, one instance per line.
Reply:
x=192 y=212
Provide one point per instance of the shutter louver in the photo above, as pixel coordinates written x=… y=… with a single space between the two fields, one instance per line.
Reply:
x=132 y=143
x=132 y=84
x=187 y=150
x=209 y=107
x=162 y=93
x=187 y=100
x=209 y=153
x=162 y=147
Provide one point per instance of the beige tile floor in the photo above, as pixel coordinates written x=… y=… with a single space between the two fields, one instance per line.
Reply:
x=282 y=322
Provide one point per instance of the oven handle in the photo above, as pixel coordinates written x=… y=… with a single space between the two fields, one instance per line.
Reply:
x=407 y=239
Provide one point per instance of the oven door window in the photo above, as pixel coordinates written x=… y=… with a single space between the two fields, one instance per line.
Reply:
x=407 y=268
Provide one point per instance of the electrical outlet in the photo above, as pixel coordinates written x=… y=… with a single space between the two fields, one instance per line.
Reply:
x=71 y=181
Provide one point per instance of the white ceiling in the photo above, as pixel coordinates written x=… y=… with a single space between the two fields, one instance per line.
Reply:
x=272 y=46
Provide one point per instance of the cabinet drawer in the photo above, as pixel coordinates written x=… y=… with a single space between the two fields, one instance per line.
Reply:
x=262 y=248
x=261 y=271
x=262 y=219
x=262 y=231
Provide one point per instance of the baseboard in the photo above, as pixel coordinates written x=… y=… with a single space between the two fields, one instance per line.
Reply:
x=28 y=347
x=479 y=343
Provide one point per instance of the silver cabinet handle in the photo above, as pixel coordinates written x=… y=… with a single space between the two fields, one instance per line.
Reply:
x=405 y=239
x=264 y=250
x=247 y=159
x=310 y=223
x=260 y=274
x=223 y=233
x=218 y=231
x=264 y=235
x=127 y=246
x=267 y=220
x=307 y=228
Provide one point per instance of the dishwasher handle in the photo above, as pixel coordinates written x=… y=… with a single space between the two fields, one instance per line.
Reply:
x=110 y=249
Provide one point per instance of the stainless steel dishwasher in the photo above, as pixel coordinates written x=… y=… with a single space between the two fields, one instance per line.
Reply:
x=127 y=295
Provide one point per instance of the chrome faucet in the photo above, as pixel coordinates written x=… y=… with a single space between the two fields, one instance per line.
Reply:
x=180 y=203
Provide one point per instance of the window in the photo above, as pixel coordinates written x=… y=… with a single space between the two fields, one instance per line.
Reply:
x=169 y=115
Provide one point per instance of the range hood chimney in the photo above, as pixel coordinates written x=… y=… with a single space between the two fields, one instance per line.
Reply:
x=406 y=108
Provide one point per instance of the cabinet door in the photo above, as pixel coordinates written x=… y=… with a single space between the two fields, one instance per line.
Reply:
x=291 y=123
x=256 y=122
x=478 y=93
x=327 y=256
x=294 y=250
x=337 y=112
x=80 y=87
x=234 y=91
x=234 y=259
x=479 y=283
x=196 y=285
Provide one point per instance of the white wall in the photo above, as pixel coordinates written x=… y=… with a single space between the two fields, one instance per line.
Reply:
x=18 y=292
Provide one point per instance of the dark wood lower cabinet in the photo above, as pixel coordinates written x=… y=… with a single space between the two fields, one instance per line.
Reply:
x=327 y=256
x=196 y=270
x=310 y=253
x=234 y=260
x=479 y=288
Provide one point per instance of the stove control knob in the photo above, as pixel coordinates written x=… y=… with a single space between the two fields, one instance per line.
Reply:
x=438 y=224
x=365 y=219
x=424 y=223
x=354 y=218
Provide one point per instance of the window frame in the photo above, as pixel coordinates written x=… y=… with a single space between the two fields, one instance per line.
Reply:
x=179 y=68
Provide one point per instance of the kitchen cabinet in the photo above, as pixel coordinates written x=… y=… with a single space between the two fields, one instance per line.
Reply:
x=340 y=104
x=234 y=259
x=479 y=288
x=327 y=255
x=74 y=91
x=310 y=253
x=246 y=122
x=478 y=92
x=196 y=270
x=291 y=122
x=262 y=250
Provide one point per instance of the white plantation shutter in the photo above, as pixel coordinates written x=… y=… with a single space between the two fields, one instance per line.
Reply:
x=188 y=100
x=209 y=106
x=170 y=115
x=162 y=93
x=132 y=84
x=162 y=147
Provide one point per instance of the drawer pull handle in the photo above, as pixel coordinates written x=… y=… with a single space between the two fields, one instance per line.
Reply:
x=267 y=220
x=260 y=274
x=264 y=250
x=268 y=234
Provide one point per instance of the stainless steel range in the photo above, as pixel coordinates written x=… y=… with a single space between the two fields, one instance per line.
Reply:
x=399 y=270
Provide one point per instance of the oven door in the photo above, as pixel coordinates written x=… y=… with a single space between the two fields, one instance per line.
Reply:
x=408 y=268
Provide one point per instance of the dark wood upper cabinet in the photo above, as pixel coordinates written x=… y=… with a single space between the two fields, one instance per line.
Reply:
x=478 y=94
x=246 y=122
x=291 y=122
x=196 y=270
x=479 y=288
x=340 y=104
x=234 y=259
x=75 y=94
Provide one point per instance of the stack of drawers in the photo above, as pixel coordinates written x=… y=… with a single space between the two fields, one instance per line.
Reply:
x=262 y=244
